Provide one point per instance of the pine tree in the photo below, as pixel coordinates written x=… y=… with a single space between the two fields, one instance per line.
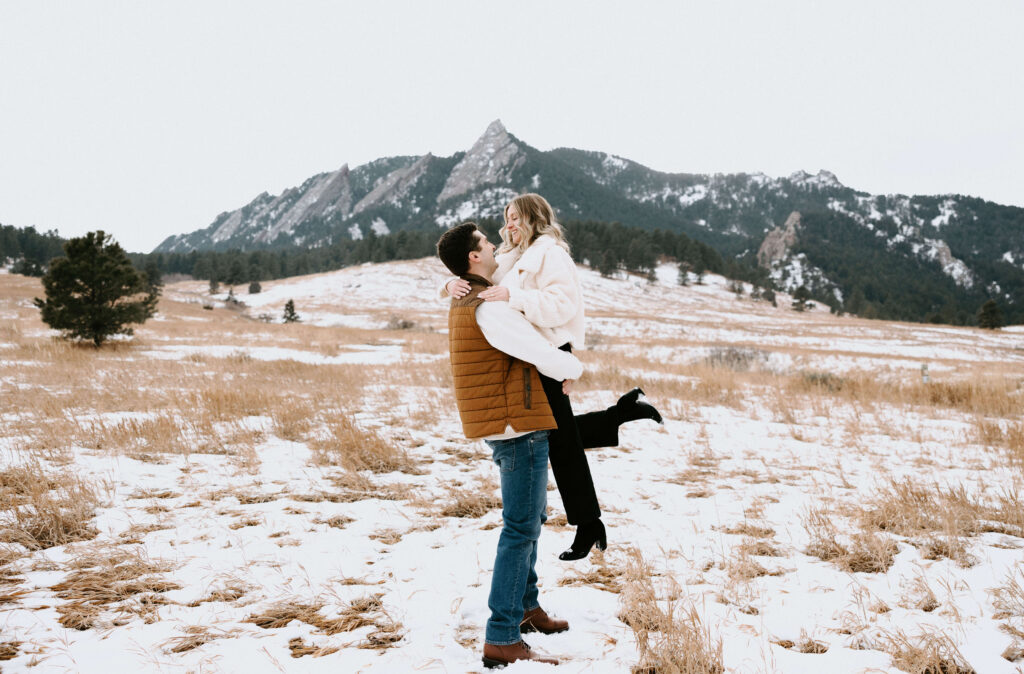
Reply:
x=154 y=279
x=289 y=312
x=684 y=272
x=800 y=298
x=990 y=316
x=255 y=288
x=94 y=291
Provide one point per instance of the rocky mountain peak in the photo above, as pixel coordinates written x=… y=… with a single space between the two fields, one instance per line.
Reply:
x=492 y=159
x=779 y=241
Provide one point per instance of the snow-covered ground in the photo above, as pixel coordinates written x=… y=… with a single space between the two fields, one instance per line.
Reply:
x=236 y=532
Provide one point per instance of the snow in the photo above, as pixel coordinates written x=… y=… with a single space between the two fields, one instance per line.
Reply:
x=947 y=209
x=435 y=579
x=355 y=232
x=379 y=227
x=613 y=164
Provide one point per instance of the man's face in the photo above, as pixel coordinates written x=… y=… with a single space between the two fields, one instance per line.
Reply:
x=484 y=254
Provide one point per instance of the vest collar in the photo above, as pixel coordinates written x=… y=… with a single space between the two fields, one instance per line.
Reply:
x=479 y=280
x=534 y=255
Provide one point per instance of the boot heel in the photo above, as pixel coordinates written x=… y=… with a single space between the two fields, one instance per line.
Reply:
x=494 y=664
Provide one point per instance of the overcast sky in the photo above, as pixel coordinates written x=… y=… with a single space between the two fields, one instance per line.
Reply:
x=147 y=119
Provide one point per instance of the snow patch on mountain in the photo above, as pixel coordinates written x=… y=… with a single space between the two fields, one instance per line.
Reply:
x=490 y=203
x=947 y=209
x=355 y=232
x=379 y=227
x=937 y=250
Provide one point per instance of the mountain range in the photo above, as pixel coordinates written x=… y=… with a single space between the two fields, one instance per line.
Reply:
x=805 y=229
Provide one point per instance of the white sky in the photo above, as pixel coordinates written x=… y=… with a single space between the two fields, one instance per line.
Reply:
x=149 y=118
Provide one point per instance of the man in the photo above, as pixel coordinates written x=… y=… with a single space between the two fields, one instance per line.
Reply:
x=496 y=354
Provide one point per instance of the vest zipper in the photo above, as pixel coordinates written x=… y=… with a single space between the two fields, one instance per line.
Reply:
x=526 y=386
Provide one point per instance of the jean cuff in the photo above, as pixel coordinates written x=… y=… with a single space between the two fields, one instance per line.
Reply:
x=500 y=642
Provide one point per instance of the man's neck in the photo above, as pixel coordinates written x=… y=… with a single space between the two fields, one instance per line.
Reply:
x=476 y=272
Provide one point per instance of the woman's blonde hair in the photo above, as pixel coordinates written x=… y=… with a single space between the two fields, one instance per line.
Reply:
x=536 y=218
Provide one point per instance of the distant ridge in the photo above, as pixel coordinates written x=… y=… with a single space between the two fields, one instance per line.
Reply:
x=977 y=246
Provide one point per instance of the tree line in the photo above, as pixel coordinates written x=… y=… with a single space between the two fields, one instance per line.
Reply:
x=873 y=285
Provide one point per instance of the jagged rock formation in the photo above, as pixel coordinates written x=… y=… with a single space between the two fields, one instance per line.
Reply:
x=778 y=242
x=492 y=160
x=738 y=214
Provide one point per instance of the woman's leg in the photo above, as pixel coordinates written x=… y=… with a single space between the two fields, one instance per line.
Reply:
x=601 y=429
x=568 y=461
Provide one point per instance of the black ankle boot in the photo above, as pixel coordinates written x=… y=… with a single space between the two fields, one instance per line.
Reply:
x=630 y=408
x=587 y=535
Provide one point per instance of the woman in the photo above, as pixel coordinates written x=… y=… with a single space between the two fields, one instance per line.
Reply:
x=537 y=276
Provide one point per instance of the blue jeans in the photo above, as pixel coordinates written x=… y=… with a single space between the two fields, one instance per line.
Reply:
x=524 y=497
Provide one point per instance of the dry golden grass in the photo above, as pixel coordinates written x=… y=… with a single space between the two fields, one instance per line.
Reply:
x=910 y=508
x=1008 y=598
x=362 y=612
x=9 y=650
x=40 y=509
x=602 y=575
x=928 y=653
x=347 y=444
x=473 y=503
x=300 y=648
x=105 y=577
x=670 y=636
x=865 y=552
x=194 y=637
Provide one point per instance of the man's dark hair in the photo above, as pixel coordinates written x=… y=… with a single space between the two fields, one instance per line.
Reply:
x=455 y=245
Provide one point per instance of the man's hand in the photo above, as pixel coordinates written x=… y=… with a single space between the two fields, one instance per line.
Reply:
x=495 y=294
x=567 y=386
x=457 y=287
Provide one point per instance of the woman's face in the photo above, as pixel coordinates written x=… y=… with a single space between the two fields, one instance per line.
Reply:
x=512 y=224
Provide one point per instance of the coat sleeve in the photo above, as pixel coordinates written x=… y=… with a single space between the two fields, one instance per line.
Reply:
x=442 y=292
x=508 y=331
x=557 y=299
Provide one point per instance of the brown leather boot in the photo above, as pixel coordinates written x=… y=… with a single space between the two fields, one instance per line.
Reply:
x=537 y=620
x=499 y=656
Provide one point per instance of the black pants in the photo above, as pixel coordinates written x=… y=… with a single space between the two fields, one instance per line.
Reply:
x=565 y=450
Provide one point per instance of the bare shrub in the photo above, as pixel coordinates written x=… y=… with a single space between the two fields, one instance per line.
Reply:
x=734 y=358
x=400 y=323
x=670 y=635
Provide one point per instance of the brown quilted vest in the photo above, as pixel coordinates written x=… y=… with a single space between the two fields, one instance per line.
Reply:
x=493 y=390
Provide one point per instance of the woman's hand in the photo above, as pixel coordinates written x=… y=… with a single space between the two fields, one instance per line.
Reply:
x=567 y=386
x=495 y=294
x=457 y=287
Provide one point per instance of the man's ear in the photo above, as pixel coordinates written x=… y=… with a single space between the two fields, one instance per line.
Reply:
x=474 y=256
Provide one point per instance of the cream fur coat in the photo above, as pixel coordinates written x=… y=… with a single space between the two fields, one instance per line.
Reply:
x=542 y=284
